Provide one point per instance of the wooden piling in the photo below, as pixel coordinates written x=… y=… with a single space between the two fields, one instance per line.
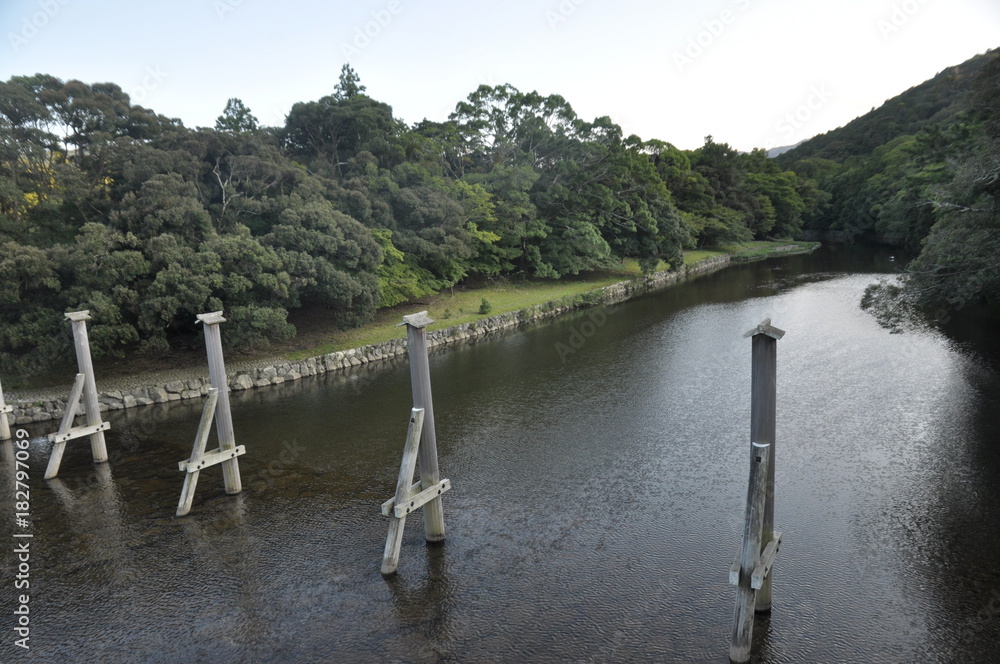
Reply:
x=751 y=570
x=420 y=381
x=223 y=415
x=85 y=389
x=762 y=427
x=4 y=423
x=86 y=367
x=217 y=407
x=739 y=647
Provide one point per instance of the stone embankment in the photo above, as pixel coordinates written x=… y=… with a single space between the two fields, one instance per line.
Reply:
x=45 y=409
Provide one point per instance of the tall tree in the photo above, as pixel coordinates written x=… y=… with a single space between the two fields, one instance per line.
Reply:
x=236 y=118
x=349 y=85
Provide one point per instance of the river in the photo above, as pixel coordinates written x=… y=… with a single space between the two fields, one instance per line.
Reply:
x=597 y=504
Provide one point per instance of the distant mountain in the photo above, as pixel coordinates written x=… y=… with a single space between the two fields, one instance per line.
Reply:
x=934 y=101
x=774 y=152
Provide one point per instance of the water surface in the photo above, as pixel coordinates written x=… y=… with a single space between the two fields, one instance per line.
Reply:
x=598 y=499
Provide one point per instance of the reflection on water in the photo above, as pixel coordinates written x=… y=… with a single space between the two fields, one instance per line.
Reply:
x=597 y=506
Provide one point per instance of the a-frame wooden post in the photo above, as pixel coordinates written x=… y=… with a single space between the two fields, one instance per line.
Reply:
x=4 y=411
x=217 y=408
x=409 y=495
x=86 y=387
x=223 y=416
x=420 y=448
x=420 y=382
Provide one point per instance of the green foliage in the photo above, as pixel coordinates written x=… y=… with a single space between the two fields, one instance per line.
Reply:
x=253 y=327
x=349 y=84
x=485 y=307
x=935 y=190
x=107 y=206
x=937 y=101
x=236 y=118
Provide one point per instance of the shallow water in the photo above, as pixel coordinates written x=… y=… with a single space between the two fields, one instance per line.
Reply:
x=597 y=502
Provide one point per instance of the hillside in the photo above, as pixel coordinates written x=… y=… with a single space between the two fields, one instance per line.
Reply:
x=921 y=172
x=935 y=101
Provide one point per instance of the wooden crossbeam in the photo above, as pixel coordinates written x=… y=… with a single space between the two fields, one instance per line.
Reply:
x=416 y=500
x=212 y=458
x=78 y=432
x=389 y=505
x=67 y=431
x=199 y=458
x=763 y=569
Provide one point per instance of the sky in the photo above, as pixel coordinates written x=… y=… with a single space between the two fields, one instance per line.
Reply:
x=751 y=73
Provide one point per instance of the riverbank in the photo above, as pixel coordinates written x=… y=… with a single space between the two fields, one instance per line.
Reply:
x=383 y=341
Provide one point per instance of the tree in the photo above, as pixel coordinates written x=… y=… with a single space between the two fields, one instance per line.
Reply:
x=329 y=133
x=959 y=263
x=349 y=85
x=236 y=118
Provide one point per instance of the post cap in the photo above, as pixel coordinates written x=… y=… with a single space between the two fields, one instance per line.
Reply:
x=78 y=315
x=214 y=317
x=765 y=327
x=416 y=320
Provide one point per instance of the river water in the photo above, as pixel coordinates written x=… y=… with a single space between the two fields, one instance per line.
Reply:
x=597 y=505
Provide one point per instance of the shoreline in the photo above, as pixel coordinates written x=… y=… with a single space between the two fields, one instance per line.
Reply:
x=48 y=404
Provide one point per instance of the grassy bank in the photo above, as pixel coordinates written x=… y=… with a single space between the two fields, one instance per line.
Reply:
x=465 y=305
x=317 y=334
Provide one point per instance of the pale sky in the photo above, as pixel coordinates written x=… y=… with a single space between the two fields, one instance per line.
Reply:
x=753 y=73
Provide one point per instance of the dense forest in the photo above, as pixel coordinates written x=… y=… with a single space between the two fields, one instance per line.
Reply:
x=108 y=206
x=921 y=172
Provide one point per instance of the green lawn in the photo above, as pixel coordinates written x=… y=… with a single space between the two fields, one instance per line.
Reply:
x=317 y=333
x=462 y=305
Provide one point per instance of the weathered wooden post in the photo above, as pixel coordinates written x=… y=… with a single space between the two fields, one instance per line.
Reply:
x=390 y=558
x=223 y=416
x=420 y=381
x=86 y=387
x=421 y=447
x=763 y=387
x=4 y=410
x=751 y=571
x=748 y=558
x=409 y=495
x=217 y=407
